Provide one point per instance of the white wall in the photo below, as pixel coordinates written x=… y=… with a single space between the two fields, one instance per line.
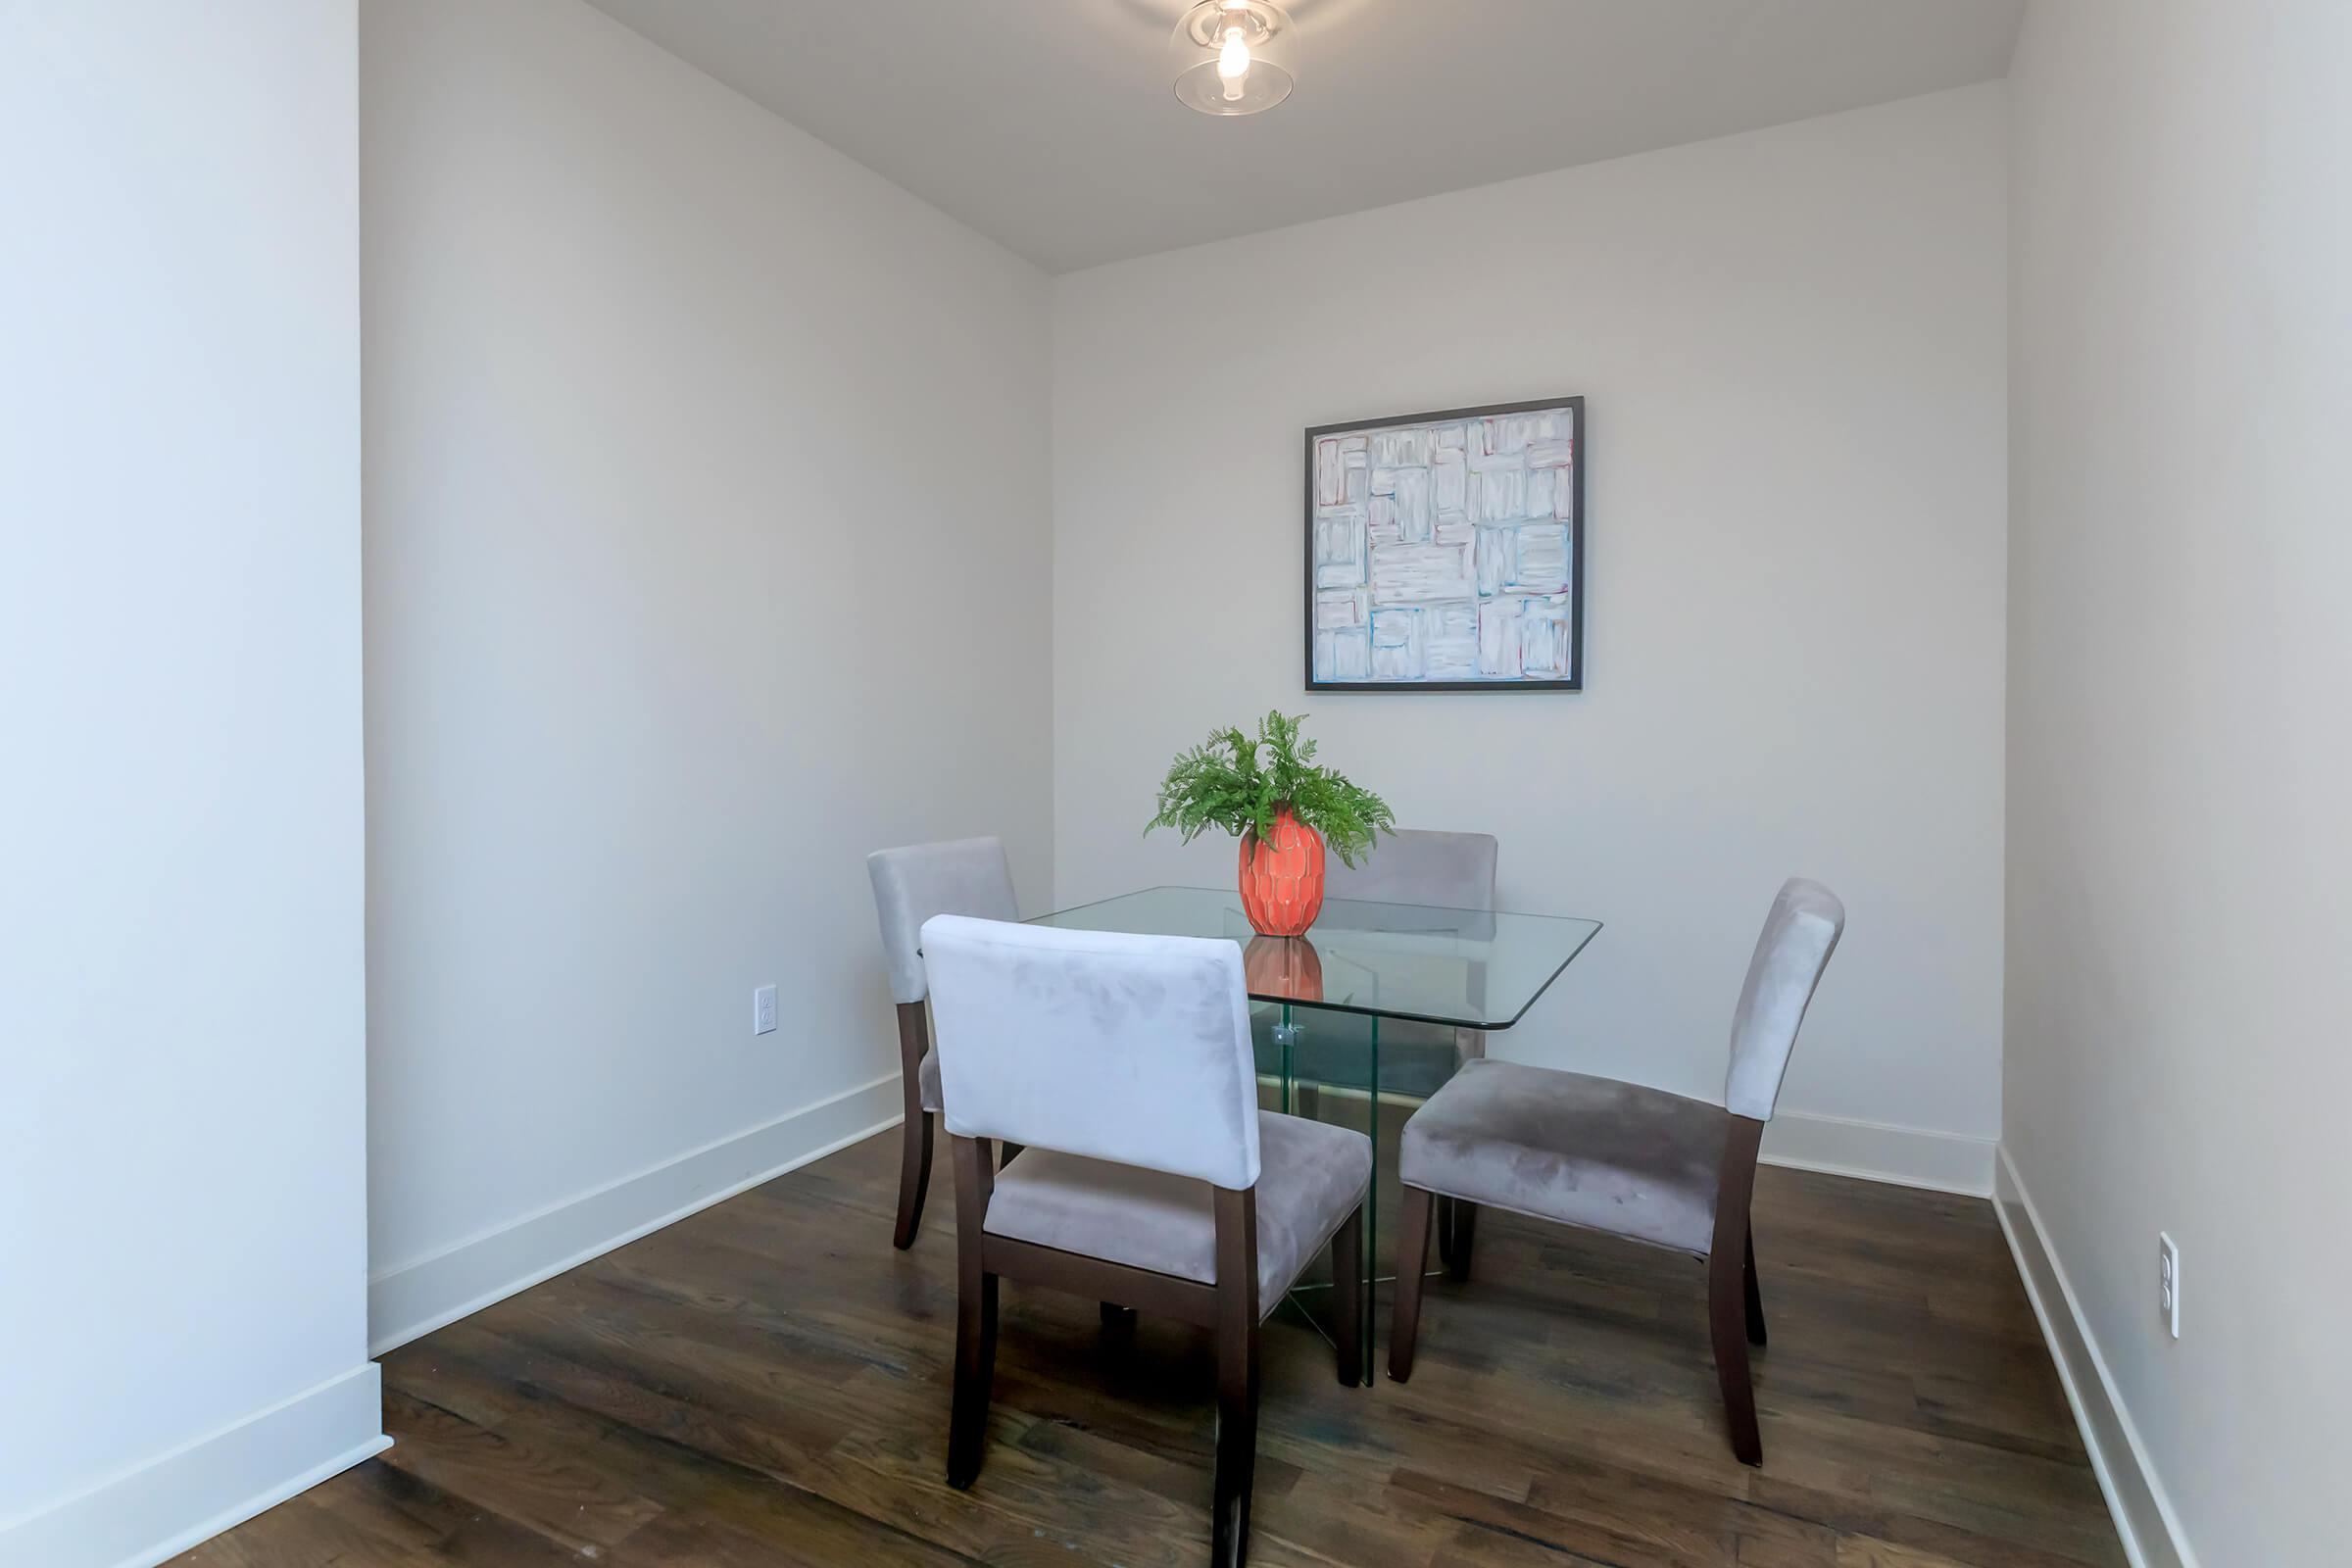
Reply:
x=2181 y=669
x=707 y=550
x=182 y=1233
x=1791 y=343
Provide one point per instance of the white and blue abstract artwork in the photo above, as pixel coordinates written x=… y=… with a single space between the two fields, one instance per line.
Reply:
x=1445 y=551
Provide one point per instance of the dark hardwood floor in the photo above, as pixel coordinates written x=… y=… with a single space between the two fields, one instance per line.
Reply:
x=766 y=1383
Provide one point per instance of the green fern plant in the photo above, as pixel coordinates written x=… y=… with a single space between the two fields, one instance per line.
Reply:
x=1233 y=782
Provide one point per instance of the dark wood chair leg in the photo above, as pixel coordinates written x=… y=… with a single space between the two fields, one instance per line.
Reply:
x=1006 y=1149
x=1412 y=1257
x=1462 y=1232
x=914 y=1175
x=1755 y=1296
x=1729 y=1280
x=1237 y=1375
x=1347 y=1295
x=975 y=1312
x=914 y=1137
x=1726 y=1319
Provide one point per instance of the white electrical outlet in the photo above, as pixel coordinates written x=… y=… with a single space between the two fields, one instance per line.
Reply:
x=764 y=1010
x=2167 y=1281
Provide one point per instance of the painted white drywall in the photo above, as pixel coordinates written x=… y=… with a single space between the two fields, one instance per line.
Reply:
x=1792 y=347
x=707 y=550
x=2180 y=672
x=182 y=1233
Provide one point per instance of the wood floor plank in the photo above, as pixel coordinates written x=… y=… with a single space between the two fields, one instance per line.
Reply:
x=1701 y=1538
x=343 y=1528
x=768 y=1383
x=1859 y=1551
x=572 y=1504
x=396 y=1504
x=1866 y=1517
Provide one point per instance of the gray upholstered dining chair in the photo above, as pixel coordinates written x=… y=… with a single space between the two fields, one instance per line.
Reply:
x=1149 y=1180
x=1415 y=865
x=963 y=876
x=1440 y=870
x=1631 y=1161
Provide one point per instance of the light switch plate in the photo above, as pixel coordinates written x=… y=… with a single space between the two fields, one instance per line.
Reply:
x=2167 y=1281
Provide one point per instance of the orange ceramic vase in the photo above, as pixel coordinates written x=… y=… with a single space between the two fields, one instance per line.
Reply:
x=1282 y=876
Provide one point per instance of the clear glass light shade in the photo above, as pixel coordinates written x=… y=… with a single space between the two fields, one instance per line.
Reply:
x=1234 y=57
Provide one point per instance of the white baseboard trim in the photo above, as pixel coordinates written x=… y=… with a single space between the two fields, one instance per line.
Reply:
x=157 y=1510
x=1908 y=1156
x=2135 y=1495
x=418 y=1297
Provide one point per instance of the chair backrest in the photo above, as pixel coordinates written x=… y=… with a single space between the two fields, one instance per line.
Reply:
x=1454 y=871
x=963 y=876
x=1799 y=935
x=1134 y=1048
x=1444 y=870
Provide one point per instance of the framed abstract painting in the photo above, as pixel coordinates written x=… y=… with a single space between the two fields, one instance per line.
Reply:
x=1446 y=552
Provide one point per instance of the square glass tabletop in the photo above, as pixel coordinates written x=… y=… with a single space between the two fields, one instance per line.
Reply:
x=1471 y=968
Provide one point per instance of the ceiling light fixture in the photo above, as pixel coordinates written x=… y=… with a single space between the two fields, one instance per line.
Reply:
x=1232 y=57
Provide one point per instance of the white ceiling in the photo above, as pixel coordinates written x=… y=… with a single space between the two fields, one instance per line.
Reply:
x=1049 y=124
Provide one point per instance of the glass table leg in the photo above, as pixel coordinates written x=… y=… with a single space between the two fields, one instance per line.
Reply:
x=1286 y=1035
x=1369 y=1250
x=1357 y=1037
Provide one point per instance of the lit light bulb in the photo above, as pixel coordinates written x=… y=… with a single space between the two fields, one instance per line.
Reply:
x=1230 y=57
x=1233 y=64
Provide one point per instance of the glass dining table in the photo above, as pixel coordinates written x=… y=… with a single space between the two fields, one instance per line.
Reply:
x=1365 y=1015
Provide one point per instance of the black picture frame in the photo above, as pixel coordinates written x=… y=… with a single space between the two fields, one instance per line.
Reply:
x=1575 y=679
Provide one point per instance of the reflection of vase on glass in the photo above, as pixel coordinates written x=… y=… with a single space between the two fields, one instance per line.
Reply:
x=1288 y=968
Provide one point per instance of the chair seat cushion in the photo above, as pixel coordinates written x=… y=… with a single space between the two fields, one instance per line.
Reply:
x=1559 y=1145
x=1310 y=1177
x=927 y=1079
